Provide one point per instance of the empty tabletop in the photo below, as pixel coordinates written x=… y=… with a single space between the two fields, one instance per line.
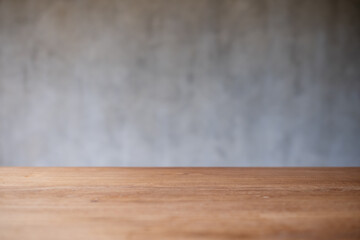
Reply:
x=179 y=203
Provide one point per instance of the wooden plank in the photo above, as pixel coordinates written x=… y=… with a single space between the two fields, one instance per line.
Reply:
x=179 y=203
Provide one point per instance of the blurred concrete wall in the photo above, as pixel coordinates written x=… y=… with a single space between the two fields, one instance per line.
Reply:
x=180 y=83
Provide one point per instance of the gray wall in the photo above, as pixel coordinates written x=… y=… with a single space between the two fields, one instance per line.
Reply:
x=180 y=83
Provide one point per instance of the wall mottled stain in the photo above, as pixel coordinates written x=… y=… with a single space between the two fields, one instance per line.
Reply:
x=180 y=83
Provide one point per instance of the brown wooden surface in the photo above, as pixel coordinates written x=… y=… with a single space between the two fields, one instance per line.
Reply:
x=179 y=203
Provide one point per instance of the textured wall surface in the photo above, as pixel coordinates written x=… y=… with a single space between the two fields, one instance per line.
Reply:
x=180 y=83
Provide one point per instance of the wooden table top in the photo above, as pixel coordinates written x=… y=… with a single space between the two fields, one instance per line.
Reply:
x=179 y=203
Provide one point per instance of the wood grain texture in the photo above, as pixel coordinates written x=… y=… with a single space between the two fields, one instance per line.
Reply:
x=179 y=203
